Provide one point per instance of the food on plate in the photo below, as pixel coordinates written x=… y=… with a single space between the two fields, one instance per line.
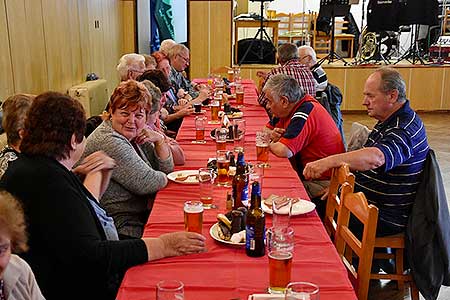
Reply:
x=237 y=218
x=183 y=177
x=232 y=230
x=224 y=220
x=269 y=200
x=238 y=237
x=223 y=232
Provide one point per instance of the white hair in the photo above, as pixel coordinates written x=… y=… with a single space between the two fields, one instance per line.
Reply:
x=310 y=52
x=127 y=61
x=166 y=45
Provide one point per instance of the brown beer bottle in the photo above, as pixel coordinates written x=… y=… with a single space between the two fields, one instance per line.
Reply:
x=240 y=184
x=255 y=229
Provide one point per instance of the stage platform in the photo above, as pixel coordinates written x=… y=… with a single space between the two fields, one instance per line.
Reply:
x=428 y=86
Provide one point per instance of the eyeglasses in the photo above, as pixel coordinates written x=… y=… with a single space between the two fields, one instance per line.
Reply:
x=186 y=60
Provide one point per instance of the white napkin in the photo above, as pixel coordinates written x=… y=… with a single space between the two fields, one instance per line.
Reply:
x=266 y=297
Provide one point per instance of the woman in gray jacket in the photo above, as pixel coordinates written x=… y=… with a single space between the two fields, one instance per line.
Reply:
x=142 y=156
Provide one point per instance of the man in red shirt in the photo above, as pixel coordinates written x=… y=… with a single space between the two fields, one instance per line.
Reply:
x=301 y=129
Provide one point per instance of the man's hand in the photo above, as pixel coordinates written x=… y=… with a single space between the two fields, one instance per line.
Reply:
x=315 y=169
x=276 y=134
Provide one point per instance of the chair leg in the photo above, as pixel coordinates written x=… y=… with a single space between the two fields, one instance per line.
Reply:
x=414 y=291
x=399 y=268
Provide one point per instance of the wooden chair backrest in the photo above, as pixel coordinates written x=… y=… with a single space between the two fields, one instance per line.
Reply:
x=339 y=176
x=301 y=21
x=284 y=26
x=356 y=204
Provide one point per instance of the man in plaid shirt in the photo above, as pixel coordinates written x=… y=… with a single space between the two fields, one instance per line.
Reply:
x=291 y=66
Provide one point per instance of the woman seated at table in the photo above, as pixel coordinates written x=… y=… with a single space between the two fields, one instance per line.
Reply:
x=69 y=250
x=154 y=123
x=142 y=156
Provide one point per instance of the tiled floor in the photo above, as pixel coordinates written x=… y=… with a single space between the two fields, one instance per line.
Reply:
x=438 y=131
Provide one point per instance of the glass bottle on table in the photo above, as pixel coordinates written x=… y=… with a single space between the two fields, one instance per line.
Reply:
x=240 y=183
x=256 y=224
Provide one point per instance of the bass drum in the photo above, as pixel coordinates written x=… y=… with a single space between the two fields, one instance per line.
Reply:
x=368 y=44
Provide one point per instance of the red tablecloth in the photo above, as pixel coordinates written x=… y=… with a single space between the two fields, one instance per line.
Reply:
x=226 y=272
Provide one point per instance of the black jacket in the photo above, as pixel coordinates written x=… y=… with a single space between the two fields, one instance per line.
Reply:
x=428 y=233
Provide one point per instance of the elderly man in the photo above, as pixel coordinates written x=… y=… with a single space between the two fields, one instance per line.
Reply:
x=388 y=167
x=290 y=65
x=307 y=56
x=179 y=61
x=166 y=45
x=130 y=66
x=301 y=129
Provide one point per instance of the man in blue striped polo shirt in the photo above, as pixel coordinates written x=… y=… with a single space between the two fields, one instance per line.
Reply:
x=388 y=167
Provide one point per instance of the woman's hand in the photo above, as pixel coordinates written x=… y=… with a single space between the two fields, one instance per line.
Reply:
x=149 y=135
x=182 y=243
x=97 y=161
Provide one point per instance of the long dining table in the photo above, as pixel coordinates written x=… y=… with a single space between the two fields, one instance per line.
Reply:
x=225 y=271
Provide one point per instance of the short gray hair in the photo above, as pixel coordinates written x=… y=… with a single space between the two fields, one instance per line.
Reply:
x=310 y=51
x=127 y=61
x=286 y=52
x=392 y=80
x=155 y=92
x=284 y=85
x=177 y=49
x=166 y=45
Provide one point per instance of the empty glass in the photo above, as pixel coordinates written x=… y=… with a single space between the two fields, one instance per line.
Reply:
x=280 y=239
x=206 y=178
x=170 y=290
x=282 y=210
x=301 y=291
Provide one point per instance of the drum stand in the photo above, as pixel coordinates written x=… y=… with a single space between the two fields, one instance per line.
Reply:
x=412 y=54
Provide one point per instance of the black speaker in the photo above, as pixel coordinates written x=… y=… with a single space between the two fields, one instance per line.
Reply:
x=253 y=56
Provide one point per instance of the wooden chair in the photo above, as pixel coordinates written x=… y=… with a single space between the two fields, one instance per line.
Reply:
x=339 y=27
x=321 y=42
x=356 y=204
x=446 y=25
x=301 y=24
x=339 y=176
x=284 y=26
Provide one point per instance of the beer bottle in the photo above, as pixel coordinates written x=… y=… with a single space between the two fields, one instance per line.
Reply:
x=240 y=184
x=255 y=229
x=232 y=167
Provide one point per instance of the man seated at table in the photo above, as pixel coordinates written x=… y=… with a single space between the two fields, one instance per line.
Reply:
x=289 y=65
x=307 y=56
x=301 y=129
x=179 y=61
x=388 y=167
x=130 y=66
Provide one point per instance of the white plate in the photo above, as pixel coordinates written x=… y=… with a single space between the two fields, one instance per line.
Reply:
x=190 y=180
x=213 y=232
x=299 y=208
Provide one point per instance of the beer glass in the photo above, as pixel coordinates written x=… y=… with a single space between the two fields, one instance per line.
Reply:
x=169 y=290
x=223 y=166
x=239 y=135
x=197 y=108
x=237 y=75
x=206 y=178
x=193 y=216
x=256 y=173
x=215 y=106
x=280 y=266
x=200 y=130
x=262 y=148
x=239 y=95
x=281 y=209
x=281 y=239
x=301 y=291
x=221 y=135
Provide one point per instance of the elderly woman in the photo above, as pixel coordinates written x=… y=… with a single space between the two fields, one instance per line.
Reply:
x=70 y=253
x=17 y=280
x=142 y=155
x=15 y=109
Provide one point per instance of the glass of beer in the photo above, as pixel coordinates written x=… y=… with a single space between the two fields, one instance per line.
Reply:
x=197 y=108
x=215 y=106
x=221 y=135
x=200 y=130
x=193 y=216
x=206 y=178
x=223 y=167
x=239 y=95
x=280 y=266
x=301 y=290
x=262 y=148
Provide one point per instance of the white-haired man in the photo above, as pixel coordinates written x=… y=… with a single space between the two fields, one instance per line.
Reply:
x=307 y=56
x=130 y=66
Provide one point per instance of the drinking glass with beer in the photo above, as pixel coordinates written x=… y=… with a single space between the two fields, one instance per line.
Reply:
x=301 y=290
x=206 y=178
x=200 y=130
x=193 y=216
x=223 y=167
x=215 y=106
x=239 y=95
x=280 y=266
x=262 y=148
x=221 y=135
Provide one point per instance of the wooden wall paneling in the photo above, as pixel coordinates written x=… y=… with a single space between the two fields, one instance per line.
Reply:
x=6 y=76
x=354 y=88
x=83 y=16
x=337 y=77
x=78 y=70
x=445 y=100
x=58 y=44
x=220 y=34
x=27 y=46
x=199 y=38
x=426 y=88
x=129 y=26
x=96 y=37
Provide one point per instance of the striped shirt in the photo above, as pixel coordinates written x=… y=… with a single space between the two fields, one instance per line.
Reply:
x=180 y=82
x=392 y=187
x=296 y=70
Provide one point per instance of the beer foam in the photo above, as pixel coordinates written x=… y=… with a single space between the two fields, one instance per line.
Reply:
x=193 y=209
x=262 y=145
x=280 y=255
